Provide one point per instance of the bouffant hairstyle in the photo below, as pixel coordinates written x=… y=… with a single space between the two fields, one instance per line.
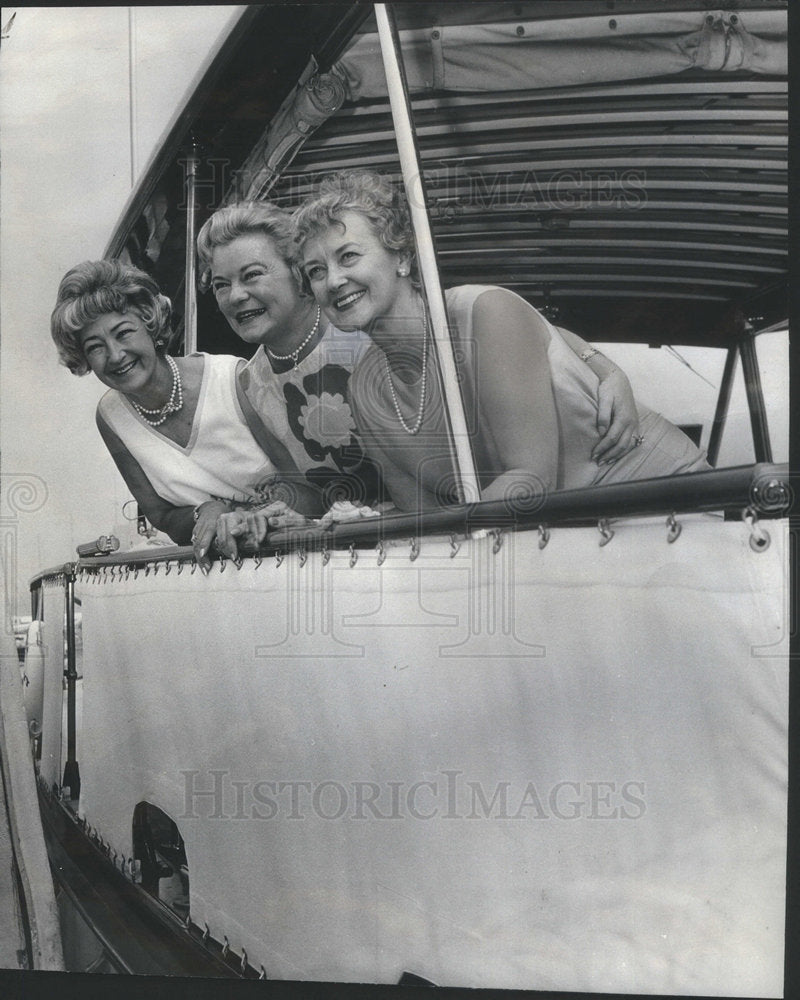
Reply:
x=245 y=218
x=372 y=196
x=98 y=287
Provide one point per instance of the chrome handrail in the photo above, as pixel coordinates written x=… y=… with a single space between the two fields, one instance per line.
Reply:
x=763 y=487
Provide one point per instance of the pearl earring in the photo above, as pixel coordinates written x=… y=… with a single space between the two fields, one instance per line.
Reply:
x=404 y=270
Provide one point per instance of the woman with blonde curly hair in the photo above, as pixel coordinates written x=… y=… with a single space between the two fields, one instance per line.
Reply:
x=534 y=409
x=297 y=376
x=182 y=434
x=298 y=379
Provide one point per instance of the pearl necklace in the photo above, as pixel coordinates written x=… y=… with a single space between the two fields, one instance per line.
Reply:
x=172 y=405
x=294 y=356
x=423 y=384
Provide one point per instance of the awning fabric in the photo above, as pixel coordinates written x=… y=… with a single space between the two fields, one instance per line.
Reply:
x=560 y=53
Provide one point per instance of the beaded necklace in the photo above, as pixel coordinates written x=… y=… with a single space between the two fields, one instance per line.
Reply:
x=172 y=405
x=294 y=356
x=414 y=429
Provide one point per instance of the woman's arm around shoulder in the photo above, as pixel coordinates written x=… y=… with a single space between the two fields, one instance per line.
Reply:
x=617 y=415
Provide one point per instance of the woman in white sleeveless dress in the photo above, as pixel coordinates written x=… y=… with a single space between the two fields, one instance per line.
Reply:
x=182 y=434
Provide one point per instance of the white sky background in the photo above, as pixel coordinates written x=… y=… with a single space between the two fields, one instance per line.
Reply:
x=65 y=133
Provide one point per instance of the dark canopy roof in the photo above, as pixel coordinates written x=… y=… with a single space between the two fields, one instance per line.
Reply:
x=623 y=165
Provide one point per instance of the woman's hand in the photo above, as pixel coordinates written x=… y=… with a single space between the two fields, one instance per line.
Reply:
x=205 y=530
x=245 y=530
x=617 y=418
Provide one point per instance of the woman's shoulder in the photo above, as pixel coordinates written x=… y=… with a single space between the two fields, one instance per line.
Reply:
x=466 y=294
x=477 y=308
x=109 y=404
x=215 y=362
x=464 y=298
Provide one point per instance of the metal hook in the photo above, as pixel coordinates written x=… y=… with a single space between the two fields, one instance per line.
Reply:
x=544 y=535
x=326 y=556
x=278 y=558
x=206 y=932
x=263 y=973
x=497 y=544
x=243 y=965
x=605 y=531
x=353 y=554
x=454 y=546
x=180 y=566
x=759 y=537
x=381 y=553
x=301 y=557
x=226 y=947
x=257 y=560
x=673 y=529
x=414 y=549
x=167 y=567
x=222 y=563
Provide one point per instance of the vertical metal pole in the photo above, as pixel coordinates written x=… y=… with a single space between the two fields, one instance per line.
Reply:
x=72 y=779
x=411 y=167
x=723 y=402
x=132 y=92
x=755 y=400
x=190 y=278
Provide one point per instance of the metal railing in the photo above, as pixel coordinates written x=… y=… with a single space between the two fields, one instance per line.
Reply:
x=761 y=491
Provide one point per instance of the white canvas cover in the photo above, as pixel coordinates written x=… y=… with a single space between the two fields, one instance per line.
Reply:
x=542 y=768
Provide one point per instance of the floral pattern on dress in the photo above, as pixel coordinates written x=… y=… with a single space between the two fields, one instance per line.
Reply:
x=321 y=419
x=327 y=419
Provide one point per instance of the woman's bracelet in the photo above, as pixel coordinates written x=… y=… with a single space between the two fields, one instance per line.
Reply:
x=588 y=353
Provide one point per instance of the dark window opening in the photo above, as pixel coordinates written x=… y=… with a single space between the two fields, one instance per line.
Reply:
x=159 y=847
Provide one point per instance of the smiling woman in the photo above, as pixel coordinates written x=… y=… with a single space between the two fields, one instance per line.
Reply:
x=297 y=379
x=182 y=434
x=532 y=405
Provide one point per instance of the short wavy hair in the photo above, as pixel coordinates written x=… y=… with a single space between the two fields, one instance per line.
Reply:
x=371 y=195
x=98 y=287
x=246 y=218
